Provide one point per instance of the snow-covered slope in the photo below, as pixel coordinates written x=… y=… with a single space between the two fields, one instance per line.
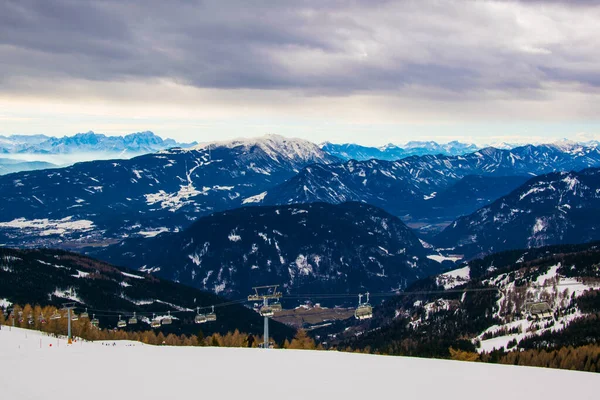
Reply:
x=134 y=370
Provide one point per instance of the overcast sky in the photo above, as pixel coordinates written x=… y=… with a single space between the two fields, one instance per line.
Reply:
x=366 y=71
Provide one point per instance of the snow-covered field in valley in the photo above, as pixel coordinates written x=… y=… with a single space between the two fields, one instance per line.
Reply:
x=30 y=368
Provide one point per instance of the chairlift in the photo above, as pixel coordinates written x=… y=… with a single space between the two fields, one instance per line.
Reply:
x=121 y=323
x=42 y=319
x=211 y=316
x=21 y=317
x=55 y=315
x=95 y=321
x=30 y=319
x=133 y=320
x=84 y=315
x=74 y=317
x=276 y=307
x=199 y=318
x=364 y=310
x=155 y=323
x=266 y=311
x=168 y=319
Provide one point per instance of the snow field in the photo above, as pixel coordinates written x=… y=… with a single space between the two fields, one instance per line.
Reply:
x=134 y=370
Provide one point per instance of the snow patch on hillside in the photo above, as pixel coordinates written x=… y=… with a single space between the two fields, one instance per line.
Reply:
x=255 y=199
x=150 y=233
x=47 y=227
x=454 y=278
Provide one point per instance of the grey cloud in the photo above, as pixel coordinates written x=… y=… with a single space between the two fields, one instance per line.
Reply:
x=314 y=46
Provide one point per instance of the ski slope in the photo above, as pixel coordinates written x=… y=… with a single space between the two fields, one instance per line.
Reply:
x=32 y=369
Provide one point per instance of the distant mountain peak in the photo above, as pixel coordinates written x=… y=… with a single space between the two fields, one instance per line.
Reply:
x=272 y=145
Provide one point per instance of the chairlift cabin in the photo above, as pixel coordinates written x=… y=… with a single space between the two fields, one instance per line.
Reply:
x=266 y=311
x=276 y=307
x=364 y=310
x=95 y=321
x=211 y=316
x=121 y=323
x=155 y=323
x=30 y=320
x=42 y=319
x=84 y=315
x=199 y=318
x=55 y=315
x=133 y=320
x=74 y=317
x=168 y=320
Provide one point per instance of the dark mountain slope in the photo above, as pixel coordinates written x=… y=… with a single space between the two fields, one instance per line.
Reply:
x=314 y=248
x=470 y=193
x=45 y=276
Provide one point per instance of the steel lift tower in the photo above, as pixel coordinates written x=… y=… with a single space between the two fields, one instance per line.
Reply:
x=264 y=294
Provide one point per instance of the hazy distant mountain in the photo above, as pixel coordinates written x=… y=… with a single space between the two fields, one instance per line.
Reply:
x=135 y=143
x=9 y=165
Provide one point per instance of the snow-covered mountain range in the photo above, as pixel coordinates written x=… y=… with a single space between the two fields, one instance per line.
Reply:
x=410 y=185
x=111 y=200
x=562 y=207
x=164 y=191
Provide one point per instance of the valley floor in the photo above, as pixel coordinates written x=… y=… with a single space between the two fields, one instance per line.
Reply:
x=35 y=366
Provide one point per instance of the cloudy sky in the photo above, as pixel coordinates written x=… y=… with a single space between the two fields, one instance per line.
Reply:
x=366 y=71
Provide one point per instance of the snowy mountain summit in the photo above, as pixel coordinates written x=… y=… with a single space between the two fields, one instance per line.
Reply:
x=275 y=146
